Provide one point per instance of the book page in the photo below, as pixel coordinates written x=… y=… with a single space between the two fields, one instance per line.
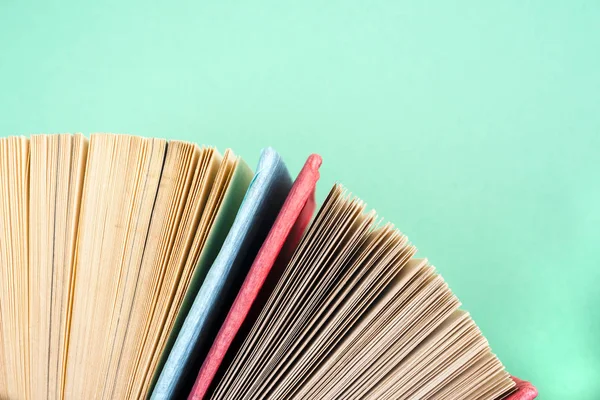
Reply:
x=57 y=171
x=121 y=182
x=14 y=259
x=356 y=316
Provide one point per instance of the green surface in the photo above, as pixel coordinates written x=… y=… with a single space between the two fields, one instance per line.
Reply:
x=474 y=127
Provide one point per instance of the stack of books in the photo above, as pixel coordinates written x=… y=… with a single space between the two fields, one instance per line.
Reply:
x=138 y=268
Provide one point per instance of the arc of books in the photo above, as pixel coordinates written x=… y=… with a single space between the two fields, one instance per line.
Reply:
x=138 y=268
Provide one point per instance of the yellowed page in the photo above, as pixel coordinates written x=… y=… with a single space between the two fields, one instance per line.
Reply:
x=208 y=189
x=356 y=316
x=121 y=182
x=57 y=166
x=14 y=264
x=181 y=162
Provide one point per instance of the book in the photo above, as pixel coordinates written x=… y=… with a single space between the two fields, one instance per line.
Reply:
x=274 y=254
x=189 y=236
x=356 y=315
x=524 y=391
x=135 y=267
x=265 y=196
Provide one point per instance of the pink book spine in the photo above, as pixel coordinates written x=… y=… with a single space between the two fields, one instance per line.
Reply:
x=278 y=247
x=525 y=390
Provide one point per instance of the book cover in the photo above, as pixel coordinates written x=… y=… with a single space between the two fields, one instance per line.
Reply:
x=262 y=202
x=286 y=232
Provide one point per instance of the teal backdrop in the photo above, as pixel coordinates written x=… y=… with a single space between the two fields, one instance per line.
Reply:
x=473 y=126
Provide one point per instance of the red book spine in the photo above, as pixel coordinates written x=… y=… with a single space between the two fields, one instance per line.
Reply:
x=274 y=254
x=525 y=390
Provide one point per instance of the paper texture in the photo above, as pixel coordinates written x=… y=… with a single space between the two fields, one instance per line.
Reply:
x=262 y=202
x=285 y=234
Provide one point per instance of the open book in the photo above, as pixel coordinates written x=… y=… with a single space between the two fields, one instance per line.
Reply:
x=136 y=268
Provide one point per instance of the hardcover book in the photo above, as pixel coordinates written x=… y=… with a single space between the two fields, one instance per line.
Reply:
x=137 y=268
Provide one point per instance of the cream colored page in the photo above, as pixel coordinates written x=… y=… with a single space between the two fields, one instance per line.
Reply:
x=381 y=261
x=56 y=173
x=363 y=332
x=122 y=316
x=210 y=182
x=44 y=153
x=247 y=354
x=3 y=387
x=3 y=371
x=44 y=157
x=303 y=270
x=65 y=256
x=420 y=361
x=121 y=181
x=14 y=264
x=180 y=163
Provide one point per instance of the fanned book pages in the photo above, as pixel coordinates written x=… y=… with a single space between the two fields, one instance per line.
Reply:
x=137 y=268
x=355 y=315
x=267 y=192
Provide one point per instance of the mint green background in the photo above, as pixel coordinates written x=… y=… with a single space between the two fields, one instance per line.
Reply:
x=474 y=126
